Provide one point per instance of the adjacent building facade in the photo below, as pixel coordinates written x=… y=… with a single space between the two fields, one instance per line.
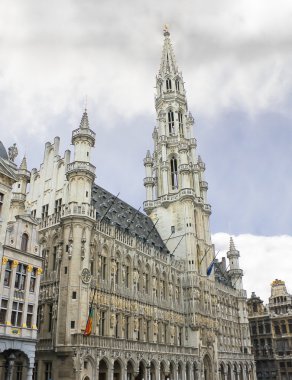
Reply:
x=271 y=333
x=20 y=269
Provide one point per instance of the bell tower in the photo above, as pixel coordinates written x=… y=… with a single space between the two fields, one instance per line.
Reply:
x=176 y=192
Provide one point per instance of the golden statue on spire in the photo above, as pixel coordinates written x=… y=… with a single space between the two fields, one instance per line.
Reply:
x=165 y=30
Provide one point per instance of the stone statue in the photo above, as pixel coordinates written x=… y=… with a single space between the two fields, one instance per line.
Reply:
x=12 y=152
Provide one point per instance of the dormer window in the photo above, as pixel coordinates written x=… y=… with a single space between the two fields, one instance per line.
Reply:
x=173 y=173
x=168 y=84
x=170 y=117
x=177 y=85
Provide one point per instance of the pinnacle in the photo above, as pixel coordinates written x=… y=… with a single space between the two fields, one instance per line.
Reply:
x=23 y=164
x=232 y=245
x=148 y=154
x=84 y=124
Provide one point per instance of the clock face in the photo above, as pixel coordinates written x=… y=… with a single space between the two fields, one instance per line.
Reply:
x=85 y=275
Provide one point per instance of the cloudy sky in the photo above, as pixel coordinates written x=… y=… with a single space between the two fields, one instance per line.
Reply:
x=236 y=59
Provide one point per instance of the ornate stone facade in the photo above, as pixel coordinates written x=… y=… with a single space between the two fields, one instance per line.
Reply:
x=157 y=314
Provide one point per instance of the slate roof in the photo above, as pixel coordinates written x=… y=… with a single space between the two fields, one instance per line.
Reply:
x=125 y=217
x=3 y=152
x=221 y=274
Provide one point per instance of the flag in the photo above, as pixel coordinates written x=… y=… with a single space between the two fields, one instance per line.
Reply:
x=210 y=267
x=88 y=327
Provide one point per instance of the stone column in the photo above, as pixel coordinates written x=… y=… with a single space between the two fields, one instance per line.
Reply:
x=147 y=374
x=111 y=373
x=11 y=292
x=3 y=267
x=26 y=292
x=96 y=371
x=183 y=372
x=175 y=372
x=36 y=290
x=9 y=373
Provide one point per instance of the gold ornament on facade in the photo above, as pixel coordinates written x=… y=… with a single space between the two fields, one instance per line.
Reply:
x=29 y=268
x=14 y=263
x=39 y=271
x=277 y=282
x=4 y=260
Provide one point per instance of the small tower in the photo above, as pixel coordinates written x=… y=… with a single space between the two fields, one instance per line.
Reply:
x=176 y=192
x=235 y=272
x=81 y=173
x=19 y=190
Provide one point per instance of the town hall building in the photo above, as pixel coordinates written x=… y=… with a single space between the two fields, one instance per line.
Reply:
x=163 y=306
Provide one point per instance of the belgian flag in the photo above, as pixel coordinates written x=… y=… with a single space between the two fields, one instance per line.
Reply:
x=88 y=328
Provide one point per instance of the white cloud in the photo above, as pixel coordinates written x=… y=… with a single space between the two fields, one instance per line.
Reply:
x=262 y=258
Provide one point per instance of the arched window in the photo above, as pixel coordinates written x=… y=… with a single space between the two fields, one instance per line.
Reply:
x=24 y=242
x=103 y=264
x=180 y=124
x=168 y=84
x=177 y=85
x=170 y=117
x=173 y=173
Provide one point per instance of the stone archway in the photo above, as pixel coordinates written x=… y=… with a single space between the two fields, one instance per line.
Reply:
x=207 y=366
x=142 y=371
x=130 y=370
x=162 y=371
x=153 y=368
x=179 y=371
x=15 y=365
x=229 y=376
x=221 y=372
x=172 y=371
x=240 y=372
x=103 y=370
x=195 y=371
x=117 y=370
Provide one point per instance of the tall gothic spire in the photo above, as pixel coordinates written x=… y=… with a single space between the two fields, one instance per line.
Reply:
x=168 y=64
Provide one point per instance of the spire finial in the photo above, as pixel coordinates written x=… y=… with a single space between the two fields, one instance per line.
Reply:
x=232 y=245
x=166 y=31
x=84 y=124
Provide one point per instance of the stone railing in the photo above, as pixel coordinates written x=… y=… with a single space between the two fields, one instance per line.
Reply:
x=129 y=345
x=83 y=131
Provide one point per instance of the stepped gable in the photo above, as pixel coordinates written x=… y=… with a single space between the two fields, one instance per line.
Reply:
x=121 y=214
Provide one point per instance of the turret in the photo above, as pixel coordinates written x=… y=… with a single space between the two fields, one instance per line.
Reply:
x=19 y=190
x=235 y=272
x=81 y=173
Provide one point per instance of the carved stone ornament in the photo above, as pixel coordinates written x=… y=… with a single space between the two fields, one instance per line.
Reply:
x=85 y=275
x=39 y=271
x=29 y=268
x=14 y=263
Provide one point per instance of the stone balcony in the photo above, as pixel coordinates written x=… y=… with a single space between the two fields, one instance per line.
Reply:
x=18 y=197
x=78 y=166
x=83 y=132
